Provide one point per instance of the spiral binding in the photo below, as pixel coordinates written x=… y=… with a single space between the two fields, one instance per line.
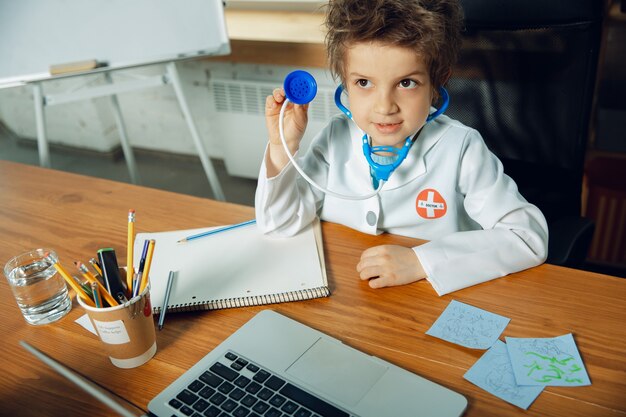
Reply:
x=257 y=300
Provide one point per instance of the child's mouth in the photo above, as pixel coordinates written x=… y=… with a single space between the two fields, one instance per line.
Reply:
x=387 y=128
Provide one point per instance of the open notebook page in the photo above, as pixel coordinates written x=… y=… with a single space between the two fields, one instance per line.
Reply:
x=236 y=267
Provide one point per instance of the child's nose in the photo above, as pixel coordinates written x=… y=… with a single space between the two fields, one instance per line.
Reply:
x=385 y=103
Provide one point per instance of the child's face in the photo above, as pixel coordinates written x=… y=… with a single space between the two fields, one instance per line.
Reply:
x=389 y=91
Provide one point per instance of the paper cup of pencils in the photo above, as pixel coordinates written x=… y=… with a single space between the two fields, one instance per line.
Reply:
x=126 y=329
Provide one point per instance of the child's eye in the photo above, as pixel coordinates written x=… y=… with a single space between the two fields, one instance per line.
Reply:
x=363 y=83
x=407 y=83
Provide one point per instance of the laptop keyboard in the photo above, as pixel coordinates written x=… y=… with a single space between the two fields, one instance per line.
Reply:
x=234 y=386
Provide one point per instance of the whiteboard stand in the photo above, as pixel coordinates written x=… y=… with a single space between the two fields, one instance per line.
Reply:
x=129 y=157
x=40 y=117
x=112 y=89
x=172 y=73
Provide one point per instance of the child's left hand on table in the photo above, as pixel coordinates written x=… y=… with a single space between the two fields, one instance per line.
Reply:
x=389 y=265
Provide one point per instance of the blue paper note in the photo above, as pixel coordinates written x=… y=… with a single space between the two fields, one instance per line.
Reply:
x=493 y=373
x=547 y=361
x=468 y=326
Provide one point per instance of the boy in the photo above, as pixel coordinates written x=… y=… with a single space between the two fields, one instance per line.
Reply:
x=392 y=57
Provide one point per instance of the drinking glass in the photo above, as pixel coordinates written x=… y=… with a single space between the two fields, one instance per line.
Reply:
x=39 y=290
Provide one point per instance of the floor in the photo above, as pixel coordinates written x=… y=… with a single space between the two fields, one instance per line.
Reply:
x=178 y=173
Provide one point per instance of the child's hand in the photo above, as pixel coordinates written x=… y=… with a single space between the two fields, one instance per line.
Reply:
x=295 y=119
x=294 y=125
x=390 y=265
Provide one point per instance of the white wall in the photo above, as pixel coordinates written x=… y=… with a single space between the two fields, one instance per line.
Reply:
x=152 y=116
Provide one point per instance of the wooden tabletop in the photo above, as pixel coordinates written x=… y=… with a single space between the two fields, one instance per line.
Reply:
x=76 y=215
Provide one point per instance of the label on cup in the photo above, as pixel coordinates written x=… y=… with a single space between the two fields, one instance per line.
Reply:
x=112 y=332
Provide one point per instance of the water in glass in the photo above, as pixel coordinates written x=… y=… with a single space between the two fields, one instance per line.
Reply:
x=39 y=290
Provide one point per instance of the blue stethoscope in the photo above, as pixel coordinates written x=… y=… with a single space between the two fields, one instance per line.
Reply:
x=301 y=88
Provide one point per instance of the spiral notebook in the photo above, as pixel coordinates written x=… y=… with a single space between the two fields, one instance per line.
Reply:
x=235 y=268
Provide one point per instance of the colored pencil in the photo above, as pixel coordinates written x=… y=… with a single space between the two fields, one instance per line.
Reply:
x=91 y=278
x=70 y=281
x=146 y=268
x=168 y=290
x=130 y=272
x=215 y=231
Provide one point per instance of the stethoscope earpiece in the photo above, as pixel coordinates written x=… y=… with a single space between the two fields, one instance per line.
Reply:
x=339 y=104
x=446 y=101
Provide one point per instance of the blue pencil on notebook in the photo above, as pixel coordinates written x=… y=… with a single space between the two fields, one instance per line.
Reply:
x=214 y=231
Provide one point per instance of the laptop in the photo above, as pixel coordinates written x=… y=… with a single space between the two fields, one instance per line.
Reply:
x=274 y=366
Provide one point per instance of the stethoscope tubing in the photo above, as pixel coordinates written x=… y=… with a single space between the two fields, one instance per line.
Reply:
x=304 y=174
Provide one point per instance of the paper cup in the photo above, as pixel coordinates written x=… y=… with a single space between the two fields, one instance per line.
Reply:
x=126 y=330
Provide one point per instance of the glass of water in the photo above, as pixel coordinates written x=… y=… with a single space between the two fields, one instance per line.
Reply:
x=39 y=290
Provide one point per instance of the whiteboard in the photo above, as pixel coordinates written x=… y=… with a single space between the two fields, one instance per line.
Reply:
x=36 y=34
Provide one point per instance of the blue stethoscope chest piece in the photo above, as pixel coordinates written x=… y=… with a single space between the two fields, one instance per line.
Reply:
x=382 y=172
x=300 y=87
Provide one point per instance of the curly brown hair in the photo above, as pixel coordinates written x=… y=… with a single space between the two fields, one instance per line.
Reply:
x=432 y=28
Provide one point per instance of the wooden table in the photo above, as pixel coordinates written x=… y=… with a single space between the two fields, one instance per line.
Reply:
x=77 y=215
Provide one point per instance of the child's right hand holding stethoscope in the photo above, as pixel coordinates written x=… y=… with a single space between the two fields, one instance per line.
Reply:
x=294 y=125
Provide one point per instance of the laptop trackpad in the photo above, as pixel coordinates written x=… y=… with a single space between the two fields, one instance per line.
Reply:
x=337 y=371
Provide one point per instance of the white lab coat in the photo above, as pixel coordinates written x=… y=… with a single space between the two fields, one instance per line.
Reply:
x=488 y=229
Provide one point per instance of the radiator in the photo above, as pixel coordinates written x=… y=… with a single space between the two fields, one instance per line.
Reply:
x=239 y=107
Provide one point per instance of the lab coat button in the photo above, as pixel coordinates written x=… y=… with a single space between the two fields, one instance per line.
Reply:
x=371 y=218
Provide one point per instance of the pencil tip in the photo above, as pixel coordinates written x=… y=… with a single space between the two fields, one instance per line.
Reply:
x=182 y=241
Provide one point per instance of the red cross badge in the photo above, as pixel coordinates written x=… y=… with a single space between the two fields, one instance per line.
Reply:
x=430 y=204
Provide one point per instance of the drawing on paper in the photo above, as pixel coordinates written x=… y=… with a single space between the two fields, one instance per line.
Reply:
x=468 y=326
x=547 y=361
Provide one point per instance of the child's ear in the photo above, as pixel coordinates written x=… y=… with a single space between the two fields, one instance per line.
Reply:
x=434 y=94
x=444 y=80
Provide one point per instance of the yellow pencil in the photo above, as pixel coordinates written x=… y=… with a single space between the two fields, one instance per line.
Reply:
x=146 y=267
x=70 y=281
x=91 y=278
x=130 y=272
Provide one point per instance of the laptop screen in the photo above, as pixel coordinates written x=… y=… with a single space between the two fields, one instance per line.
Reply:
x=106 y=397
